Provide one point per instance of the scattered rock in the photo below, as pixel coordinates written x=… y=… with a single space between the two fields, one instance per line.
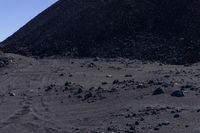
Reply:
x=131 y=129
x=115 y=81
x=91 y=65
x=137 y=123
x=49 y=88
x=11 y=93
x=115 y=68
x=87 y=95
x=104 y=83
x=140 y=85
x=151 y=82
x=177 y=93
x=158 y=91
x=187 y=86
x=186 y=126
x=167 y=76
x=67 y=83
x=78 y=91
x=164 y=124
x=128 y=75
x=96 y=59
x=109 y=76
x=176 y=116
x=61 y=75
x=156 y=129
x=70 y=75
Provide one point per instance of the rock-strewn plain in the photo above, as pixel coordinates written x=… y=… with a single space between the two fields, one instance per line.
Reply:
x=64 y=95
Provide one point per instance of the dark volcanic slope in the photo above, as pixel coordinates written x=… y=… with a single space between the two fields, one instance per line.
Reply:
x=166 y=30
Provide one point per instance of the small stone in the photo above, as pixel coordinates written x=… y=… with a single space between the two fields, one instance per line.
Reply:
x=140 y=86
x=87 y=95
x=96 y=59
x=166 y=76
x=70 y=75
x=166 y=123
x=78 y=91
x=186 y=126
x=49 y=88
x=104 y=83
x=67 y=83
x=132 y=127
x=141 y=119
x=172 y=112
x=151 y=82
x=11 y=94
x=156 y=129
x=91 y=65
x=137 y=123
x=111 y=128
x=177 y=93
x=158 y=91
x=109 y=76
x=115 y=81
x=128 y=75
x=176 y=116
x=61 y=75
x=113 y=90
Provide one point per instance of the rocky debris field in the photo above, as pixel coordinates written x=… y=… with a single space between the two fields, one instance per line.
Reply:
x=63 y=95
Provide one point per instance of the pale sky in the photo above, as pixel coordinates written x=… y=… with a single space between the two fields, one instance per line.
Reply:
x=15 y=13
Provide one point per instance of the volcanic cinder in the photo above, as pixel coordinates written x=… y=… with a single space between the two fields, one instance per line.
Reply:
x=98 y=94
x=166 y=31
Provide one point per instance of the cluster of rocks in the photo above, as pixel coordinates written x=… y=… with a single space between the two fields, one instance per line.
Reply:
x=99 y=93
x=176 y=93
x=130 y=128
x=129 y=84
x=73 y=90
x=139 y=117
x=90 y=95
x=175 y=89
x=160 y=86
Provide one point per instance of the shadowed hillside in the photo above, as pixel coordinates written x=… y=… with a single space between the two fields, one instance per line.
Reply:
x=167 y=30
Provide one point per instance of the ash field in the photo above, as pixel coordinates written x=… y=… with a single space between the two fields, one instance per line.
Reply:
x=64 y=95
x=106 y=66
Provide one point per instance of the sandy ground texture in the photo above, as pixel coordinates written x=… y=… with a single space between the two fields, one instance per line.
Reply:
x=62 y=95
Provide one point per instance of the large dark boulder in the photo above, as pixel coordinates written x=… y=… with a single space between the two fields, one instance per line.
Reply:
x=162 y=30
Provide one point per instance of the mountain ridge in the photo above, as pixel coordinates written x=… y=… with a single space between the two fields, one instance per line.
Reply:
x=164 y=31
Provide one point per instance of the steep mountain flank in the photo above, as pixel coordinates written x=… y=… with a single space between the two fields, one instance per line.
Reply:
x=166 y=31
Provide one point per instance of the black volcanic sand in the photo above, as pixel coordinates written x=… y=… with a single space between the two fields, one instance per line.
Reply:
x=166 y=31
x=63 y=95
